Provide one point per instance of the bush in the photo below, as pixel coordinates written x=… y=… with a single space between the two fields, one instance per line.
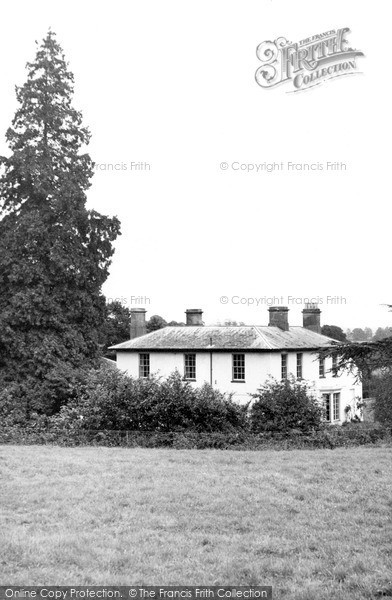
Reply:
x=23 y=402
x=329 y=437
x=382 y=392
x=282 y=406
x=111 y=400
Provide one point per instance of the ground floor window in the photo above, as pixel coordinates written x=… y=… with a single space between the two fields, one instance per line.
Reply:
x=190 y=366
x=144 y=365
x=331 y=402
x=238 y=367
x=336 y=406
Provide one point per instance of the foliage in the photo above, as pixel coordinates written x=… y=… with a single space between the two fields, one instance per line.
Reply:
x=21 y=404
x=281 y=406
x=330 y=436
x=360 y=335
x=54 y=253
x=117 y=324
x=366 y=355
x=334 y=332
x=111 y=400
x=157 y=322
x=154 y=323
x=366 y=335
x=381 y=390
x=382 y=333
x=116 y=327
x=362 y=358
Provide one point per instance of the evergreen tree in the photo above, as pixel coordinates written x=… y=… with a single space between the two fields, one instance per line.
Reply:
x=54 y=253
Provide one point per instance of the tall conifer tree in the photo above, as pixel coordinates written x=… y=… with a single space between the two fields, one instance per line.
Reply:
x=54 y=253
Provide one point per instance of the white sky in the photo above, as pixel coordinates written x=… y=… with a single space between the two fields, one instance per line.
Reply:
x=172 y=83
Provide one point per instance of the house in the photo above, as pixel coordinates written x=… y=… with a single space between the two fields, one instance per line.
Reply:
x=237 y=360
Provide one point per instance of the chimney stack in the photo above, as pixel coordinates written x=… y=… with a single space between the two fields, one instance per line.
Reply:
x=194 y=316
x=138 y=322
x=278 y=317
x=311 y=317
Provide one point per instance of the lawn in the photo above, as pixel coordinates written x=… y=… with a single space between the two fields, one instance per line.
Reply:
x=314 y=524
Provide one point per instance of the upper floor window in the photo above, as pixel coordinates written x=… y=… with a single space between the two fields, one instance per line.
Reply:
x=284 y=366
x=238 y=367
x=299 y=365
x=190 y=366
x=144 y=365
x=321 y=367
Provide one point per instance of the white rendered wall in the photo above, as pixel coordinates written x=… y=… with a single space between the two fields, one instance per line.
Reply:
x=258 y=367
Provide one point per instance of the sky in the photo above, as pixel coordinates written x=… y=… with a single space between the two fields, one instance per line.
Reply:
x=170 y=87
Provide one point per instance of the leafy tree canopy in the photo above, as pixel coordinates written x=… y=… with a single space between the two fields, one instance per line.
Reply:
x=334 y=332
x=158 y=322
x=364 y=358
x=381 y=333
x=116 y=328
x=155 y=322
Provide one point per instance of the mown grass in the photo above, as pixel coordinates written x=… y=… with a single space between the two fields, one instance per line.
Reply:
x=314 y=524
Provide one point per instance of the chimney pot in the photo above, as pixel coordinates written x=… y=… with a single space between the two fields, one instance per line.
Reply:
x=279 y=317
x=194 y=316
x=138 y=322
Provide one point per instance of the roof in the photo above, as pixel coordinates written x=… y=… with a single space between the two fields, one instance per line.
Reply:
x=251 y=338
x=108 y=362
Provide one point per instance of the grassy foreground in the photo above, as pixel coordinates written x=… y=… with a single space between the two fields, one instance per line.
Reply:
x=314 y=524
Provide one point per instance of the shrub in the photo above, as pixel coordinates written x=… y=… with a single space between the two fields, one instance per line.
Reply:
x=24 y=402
x=382 y=392
x=111 y=400
x=282 y=406
x=329 y=437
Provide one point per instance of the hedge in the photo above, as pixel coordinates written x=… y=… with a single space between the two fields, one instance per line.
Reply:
x=331 y=436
